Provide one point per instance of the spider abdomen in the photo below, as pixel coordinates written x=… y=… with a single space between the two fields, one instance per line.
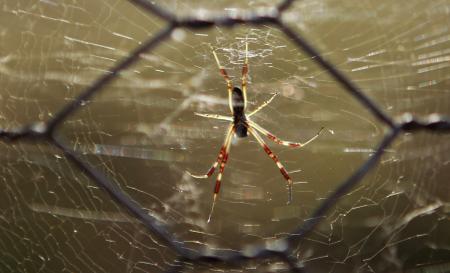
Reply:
x=241 y=129
x=239 y=118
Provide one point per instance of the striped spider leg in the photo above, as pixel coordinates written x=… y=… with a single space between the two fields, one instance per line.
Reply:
x=252 y=126
x=240 y=126
x=280 y=141
x=221 y=159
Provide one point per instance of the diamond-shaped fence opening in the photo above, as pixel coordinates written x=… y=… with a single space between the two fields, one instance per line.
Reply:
x=281 y=249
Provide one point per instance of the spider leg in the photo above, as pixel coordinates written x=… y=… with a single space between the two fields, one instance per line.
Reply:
x=283 y=142
x=263 y=105
x=219 y=176
x=214 y=116
x=224 y=73
x=219 y=157
x=275 y=159
x=244 y=75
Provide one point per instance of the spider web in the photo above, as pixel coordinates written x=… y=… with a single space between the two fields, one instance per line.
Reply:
x=141 y=132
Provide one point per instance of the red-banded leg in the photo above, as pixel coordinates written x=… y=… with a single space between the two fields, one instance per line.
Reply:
x=224 y=73
x=245 y=75
x=275 y=159
x=283 y=142
x=219 y=157
x=221 y=170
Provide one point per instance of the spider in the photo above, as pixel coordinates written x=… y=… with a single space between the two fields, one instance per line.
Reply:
x=241 y=125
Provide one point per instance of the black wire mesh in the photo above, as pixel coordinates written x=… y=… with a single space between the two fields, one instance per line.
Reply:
x=281 y=248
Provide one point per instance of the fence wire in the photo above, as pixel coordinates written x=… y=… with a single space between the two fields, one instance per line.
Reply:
x=281 y=248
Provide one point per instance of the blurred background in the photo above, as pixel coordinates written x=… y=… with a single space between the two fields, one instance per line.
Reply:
x=141 y=132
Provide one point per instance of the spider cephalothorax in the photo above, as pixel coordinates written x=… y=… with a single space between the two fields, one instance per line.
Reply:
x=241 y=125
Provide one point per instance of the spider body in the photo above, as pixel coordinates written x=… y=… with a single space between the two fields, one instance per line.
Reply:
x=241 y=126
x=239 y=118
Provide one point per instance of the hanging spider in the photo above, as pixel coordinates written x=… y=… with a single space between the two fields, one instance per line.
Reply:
x=240 y=126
